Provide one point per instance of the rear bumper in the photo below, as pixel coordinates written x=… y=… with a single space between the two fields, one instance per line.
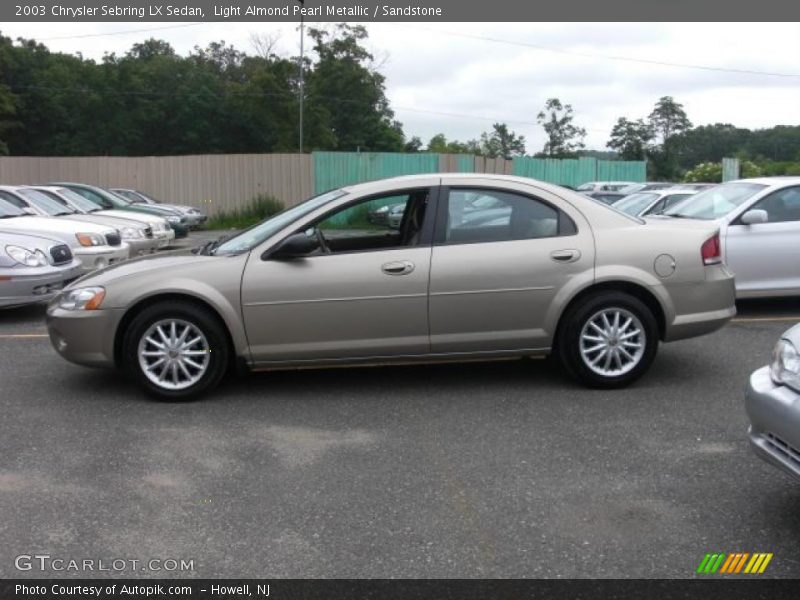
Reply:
x=701 y=308
x=31 y=285
x=774 y=412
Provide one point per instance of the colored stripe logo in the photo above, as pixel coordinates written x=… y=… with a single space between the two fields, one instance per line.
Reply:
x=735 y=563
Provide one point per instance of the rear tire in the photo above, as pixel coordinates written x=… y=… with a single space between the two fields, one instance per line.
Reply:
x=176 y=350
x=607 y=340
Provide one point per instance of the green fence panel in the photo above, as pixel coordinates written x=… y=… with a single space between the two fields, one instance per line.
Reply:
x=337 y=169
x=564 y=171
x=621 y=170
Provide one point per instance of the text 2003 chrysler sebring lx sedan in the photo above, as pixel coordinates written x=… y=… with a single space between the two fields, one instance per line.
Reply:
x=319 y=285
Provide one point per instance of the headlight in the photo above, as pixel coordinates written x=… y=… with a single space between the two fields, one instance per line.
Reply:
x=88 y=298
x=174 y=219
x=785 y=367
x=29 y=258
x=90 y=239
x=130 y=233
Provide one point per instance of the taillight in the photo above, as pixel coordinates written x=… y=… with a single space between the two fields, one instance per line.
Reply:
x=711 y=251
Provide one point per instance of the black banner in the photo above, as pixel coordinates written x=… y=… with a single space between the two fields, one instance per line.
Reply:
x=396 y=10
x=439 y=589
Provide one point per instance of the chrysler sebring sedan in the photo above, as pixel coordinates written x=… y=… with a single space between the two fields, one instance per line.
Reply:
x=320 y=285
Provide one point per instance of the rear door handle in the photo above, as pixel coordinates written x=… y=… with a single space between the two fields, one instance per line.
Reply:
x=398 y=267
x=565 y=256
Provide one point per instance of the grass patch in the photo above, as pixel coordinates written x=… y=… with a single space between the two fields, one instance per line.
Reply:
x=259 y=208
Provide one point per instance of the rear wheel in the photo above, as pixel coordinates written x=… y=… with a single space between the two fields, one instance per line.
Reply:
x=608 y=339
x=176 y=350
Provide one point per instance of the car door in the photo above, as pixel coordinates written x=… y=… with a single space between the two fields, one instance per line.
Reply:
x=367 y=298
x=765 y=256
x=493 y=281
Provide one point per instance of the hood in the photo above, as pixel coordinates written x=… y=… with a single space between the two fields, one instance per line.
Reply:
x=29 y=241
x=166 y=266
x=133 y=216
x=57 y=226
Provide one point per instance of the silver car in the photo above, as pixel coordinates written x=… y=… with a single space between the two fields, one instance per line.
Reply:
x=138 y=236
x=194 y=216
x=759 y=221
x=653 y=202
x=772 y=400
x=317 y=285
x=33 y=268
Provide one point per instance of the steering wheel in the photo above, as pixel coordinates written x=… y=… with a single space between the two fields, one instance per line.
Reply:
x=323 y=244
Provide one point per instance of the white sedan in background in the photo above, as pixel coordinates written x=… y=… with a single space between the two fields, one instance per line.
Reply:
x=652 y=202
x=759 y=221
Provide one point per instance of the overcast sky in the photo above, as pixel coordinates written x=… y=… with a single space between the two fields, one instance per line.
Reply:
x=444 y=78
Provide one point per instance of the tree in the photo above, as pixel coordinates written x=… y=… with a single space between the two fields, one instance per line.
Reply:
x=564 y=138
x=413 y=145
x=630 y=138
x=668 y=120
x=441 y=145
x=502 y=143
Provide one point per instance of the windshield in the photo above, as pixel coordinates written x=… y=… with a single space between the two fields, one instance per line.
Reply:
x=715 y=202
x=585 y=187
x=44 y=202
x=68 y=197
x=635 y=203
x=8 y=210
x=249 y=238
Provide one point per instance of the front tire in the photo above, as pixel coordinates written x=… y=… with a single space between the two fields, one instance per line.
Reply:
x=176 y=350
x=607 y=340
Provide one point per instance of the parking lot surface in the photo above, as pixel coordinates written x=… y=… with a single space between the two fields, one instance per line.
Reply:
x=503 y=469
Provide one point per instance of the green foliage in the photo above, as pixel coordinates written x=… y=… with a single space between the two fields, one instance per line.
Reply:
x=564 y=138
x=630 y=138
x=711 y=172
x=259 y=208
x=151 y=101
x=501 y=142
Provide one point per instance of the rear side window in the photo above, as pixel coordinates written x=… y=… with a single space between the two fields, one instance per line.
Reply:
x=480 y=216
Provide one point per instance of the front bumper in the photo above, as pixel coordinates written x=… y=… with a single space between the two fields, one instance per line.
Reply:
x=164 y=238
x=774 y=412
x=84 y=337
x=30 y=285
x=98 y=257
x=143 y=246
x=180 y=229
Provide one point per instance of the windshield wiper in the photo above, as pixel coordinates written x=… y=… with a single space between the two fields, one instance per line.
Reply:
x=208 y=248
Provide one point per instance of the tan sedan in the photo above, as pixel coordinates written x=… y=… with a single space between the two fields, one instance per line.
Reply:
x=543 y=270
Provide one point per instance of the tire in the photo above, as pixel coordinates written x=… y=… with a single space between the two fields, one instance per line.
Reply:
x=607 y=360
x=168 y=380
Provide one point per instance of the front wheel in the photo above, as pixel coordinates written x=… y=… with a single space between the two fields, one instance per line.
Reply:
x=176 y=350
x=608 y=340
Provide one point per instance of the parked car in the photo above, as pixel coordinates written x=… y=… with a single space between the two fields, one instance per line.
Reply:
x=109 y=200
x=772 y=401
x=33 y=268
x=158 y=227
x=759 y=221
x=602 y=186
x=380 y=215
x=607 y=197
x=96 y=246
x=563 y=274
x=396 y=216
x=194 y=216
x=646 y=186
x=655 y=202
x=138 y=236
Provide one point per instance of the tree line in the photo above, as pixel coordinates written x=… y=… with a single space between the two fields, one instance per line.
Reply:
x=218 y=99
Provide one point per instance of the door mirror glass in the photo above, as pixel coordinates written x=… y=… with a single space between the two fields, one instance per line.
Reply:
x=751 y=217
x=296 y=245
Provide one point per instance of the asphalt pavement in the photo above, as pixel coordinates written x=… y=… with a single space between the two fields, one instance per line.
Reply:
x=503 y=469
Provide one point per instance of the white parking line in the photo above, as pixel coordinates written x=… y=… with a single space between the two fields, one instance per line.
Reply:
x=16 y=336
x=765 y=319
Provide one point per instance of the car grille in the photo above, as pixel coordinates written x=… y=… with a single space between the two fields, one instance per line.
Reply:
x=60 y=254
x=781 y=447
x=148 y=232
x=113 y=239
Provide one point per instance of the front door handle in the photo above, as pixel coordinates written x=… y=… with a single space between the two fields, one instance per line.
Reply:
x=565 y=256
x=398 y=267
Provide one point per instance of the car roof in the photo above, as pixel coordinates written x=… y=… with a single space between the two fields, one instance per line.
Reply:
x=778 y=180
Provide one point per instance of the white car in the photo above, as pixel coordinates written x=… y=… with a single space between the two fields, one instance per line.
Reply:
x=652 y=202
x=759 y=221
x=602 y=186
x=162 y=232
x=96 y=246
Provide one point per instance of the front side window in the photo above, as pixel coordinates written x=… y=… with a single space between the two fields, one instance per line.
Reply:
x=511 y=217
x=782 y=206
x=388 y=221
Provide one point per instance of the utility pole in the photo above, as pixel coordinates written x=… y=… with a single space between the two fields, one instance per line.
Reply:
x=302 y=80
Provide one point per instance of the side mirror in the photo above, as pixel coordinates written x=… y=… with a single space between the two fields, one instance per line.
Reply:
x=296 y=245
x=756 y=215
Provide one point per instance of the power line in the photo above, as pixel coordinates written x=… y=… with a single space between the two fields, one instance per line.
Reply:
x=645 y=61
x=123 y=32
